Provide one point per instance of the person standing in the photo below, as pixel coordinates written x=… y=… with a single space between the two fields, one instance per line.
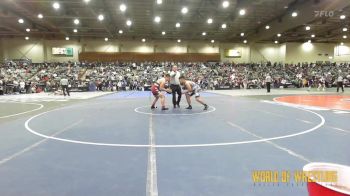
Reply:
x=64 y=84
x=340 y=83
x=175 y=86
x=268 y=81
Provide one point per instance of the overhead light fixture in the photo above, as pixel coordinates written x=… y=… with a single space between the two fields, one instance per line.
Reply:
x=179 y=40
x=245 y=41
x=307 y=28
x=224 y=26
x=313 y=35
x=28 y=30
x=341 y=43
x=106 y=39
x=212 y=41
x=26 y=38
x=122 y=7
x=294 y=14
x=267 y=27
x=75 y=30
x=120 y=31
x=342 y=17
x=225 y=4
x=242 y=12
x=86 y=1
x=56 y=5
x=276 y=42
x=204 y=33
x=128 y=22
x=242 y=34
x=21 y=21
x=76 y=21
x=143 y=40
x=177 y=25
x=279 y=35
x=345 y=29
x=101 y=17
x=159 y=2
x=345 y=36
x=184 y=10
x=157 y=19
x=210 y=20
x=163 y=33
x=67 y=38
x=40 y=16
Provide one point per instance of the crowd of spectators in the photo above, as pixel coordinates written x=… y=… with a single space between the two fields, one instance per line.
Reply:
x=35 y=78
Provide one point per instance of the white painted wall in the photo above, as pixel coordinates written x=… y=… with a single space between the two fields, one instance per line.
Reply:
x=308 y=52
x=342 y=53
x=41 y=50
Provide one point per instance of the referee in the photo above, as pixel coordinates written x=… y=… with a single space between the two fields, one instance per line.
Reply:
x=340 y=83
x=268 y=81
x=64 y=84
x=175 y=86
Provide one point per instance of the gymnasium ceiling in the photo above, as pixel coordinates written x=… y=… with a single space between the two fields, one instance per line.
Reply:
x=58 y=23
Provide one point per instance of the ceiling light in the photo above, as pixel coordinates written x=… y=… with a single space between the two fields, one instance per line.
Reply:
x=267 y=27
x=204 y=33
x=67 y=38
x=179 y=40
x=313 y=35
x=76 y=21
x=276 y=42
x=344 y=36
x=345 y=29
x=242 y=34
x=307 y=28
x=143 y=40
x=27 y=38
x=341 y=43
x=209 y=21
x=56 y=6
x=128 y=22
x=21 y=21
x=212 y=41
x=245 y=41
x=223 y=26
x=100 y=17
x=242 y=12
x=163 y=33
x=106 y=39
x=122 y=7
x=28 y=30
x=86 y=1
x=294 y=14
x=279 y=35
x=184 y=10
x=40 y=16
x=225 y=4
x=157 y=19
x=120 y=31
x=159 y=2
x=342 y=17
x=75 y=30
x=177 y=25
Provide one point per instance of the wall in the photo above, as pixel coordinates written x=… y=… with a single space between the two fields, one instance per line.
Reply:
x=342 y=53
x=308 y=52
x=40 y=50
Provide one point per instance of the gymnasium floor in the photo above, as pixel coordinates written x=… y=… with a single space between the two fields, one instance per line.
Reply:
x=113 y=144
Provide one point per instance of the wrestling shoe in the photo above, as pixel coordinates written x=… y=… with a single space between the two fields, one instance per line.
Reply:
x=164 y=108
x=174 y=106
x=205 y=107
x=189 y=107
x=153 y=107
